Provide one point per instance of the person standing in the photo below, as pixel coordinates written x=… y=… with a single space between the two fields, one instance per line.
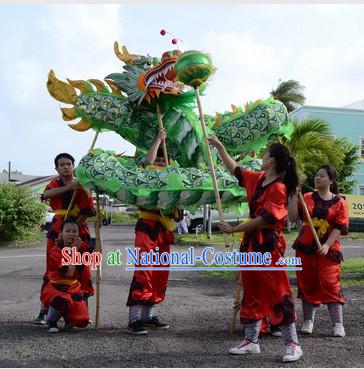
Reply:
x=153 y=232
x=319 y=280
x=268 y=292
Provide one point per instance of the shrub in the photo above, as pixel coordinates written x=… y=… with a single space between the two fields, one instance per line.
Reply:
x=20 y=212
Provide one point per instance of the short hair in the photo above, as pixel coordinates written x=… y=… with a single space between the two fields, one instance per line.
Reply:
x=63 y=155
x=69 y=221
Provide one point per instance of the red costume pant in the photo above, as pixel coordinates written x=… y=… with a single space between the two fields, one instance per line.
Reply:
x=149 y=287
x=267 y=293
x=69 y=301
x=319 y=280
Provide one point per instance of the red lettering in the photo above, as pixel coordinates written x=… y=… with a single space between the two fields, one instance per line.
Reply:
x=66 y=259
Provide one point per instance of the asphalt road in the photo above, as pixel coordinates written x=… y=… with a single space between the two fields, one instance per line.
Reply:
x=197 y=307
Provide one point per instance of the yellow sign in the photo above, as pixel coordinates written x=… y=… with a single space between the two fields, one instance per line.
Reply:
x=355 y=205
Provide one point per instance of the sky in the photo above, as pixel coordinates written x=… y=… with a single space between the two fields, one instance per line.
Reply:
x=252 y=46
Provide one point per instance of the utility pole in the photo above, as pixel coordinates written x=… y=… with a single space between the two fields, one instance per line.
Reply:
x=205 y=215
x=9 y=172
x=209 y=222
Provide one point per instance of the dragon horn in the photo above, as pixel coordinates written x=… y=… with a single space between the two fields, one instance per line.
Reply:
x=61 y=91
x=124 y=55
x=81 y=126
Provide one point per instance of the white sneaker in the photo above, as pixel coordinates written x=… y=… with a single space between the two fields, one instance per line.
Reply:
x=292 y=353
x=245 y=347
x=307 y=327
x=52 y=327
x=275 y=332
x=53 y=330
x=339 y=330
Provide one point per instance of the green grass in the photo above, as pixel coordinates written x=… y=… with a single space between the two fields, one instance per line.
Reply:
x=118 y=218
x=216 y=273
x=290 y=237
x=356 y=235
x=30 y=236
x=352 y=282
x=192 y=238
x=21 y=349
x=216 y=237
x=351 y=265
x=123 y=218
x=201 y=239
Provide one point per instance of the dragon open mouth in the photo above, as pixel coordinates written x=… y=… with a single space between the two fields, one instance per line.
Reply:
x=162 y=78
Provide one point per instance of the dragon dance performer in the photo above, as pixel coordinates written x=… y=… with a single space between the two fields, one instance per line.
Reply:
x=319 y=280
x=152 y=232
x=63 y=293
x=60 y=191
x=266 y=293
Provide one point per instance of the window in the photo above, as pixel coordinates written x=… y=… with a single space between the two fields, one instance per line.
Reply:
x=361 y=190
x=361 y=147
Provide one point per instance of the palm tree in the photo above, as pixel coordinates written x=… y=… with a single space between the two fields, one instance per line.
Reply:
x=313 y=144
x=290 y=93
x=349 y=164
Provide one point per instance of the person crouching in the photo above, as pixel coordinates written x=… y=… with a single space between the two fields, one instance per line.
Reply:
x=63 y=294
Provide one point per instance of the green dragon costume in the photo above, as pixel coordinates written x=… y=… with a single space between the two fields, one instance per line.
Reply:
x=126 y=103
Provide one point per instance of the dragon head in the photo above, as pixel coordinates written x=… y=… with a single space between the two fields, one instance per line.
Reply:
x=146 y=78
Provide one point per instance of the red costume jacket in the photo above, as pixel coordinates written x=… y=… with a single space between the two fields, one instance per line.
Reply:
x=319 y=281
x=83 y=205
x=334 y=211
x=64 y=293
x=266 y=293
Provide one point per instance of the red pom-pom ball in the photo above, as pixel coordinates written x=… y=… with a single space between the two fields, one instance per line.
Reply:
x=174 y=41
x=163 y=32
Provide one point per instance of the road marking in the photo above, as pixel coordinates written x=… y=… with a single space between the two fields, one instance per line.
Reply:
x=213 y=268
x=21 y=256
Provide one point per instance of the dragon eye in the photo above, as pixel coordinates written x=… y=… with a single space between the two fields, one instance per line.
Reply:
x=149 y=64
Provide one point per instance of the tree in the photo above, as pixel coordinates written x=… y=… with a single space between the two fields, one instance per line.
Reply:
x=312 y=144
x=290 y=93
x=20 y=212
x=345 y=169
x=349 y=164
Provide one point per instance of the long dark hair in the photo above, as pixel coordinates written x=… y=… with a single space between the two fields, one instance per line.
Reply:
x=332 y=173
x=285 y=165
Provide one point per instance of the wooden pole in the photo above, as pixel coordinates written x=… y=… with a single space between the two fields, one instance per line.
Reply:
x=309 y=220
x=98 y=248
x=164 y=146
x=236 y=306
x=70 y=206
x=211 y=164
x=94 y=140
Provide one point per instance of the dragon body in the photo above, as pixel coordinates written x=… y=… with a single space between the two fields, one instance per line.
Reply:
x=126 y=103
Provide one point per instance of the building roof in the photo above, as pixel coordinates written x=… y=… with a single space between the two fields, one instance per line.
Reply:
x=358 y=105
x=16 y=177
x=37 y=181
x=38 y=185
x=347 y=109
x=35 y=184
